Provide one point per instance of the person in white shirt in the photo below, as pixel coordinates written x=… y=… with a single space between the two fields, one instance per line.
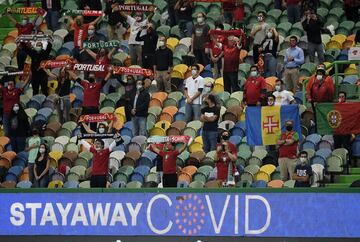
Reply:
x=136 y=24
x=194 y=86
x=282 y=97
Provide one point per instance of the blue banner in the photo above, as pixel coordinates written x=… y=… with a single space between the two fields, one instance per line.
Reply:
x=176 y=214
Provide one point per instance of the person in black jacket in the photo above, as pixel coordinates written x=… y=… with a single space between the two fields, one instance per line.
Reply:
x=140 y=104
x=53 y=8
x=19 y=128
x=163 y=63
x=313 y=26
x=115 y=19
x=150 y=41
x=125 y=101
x=90 y=5
x=39 y=76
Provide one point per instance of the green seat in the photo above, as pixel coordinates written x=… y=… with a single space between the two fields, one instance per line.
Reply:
x=289 y=184
x=274 y=14
x=253 y=160
x=325 y=4
x=161 y=5
x=170 y=102
x=156 y=110
x=151 y=177
x=196 y=124
x=214 y=8
x=108 y=103
x=134 y=184
x=163 y=30
x=260 y=6
x=175 y=32
x=332 y=54
x=335 y=14
x=310 y=153
x=232 y=102
x=176 y=95
x=260 y=153
x=81 y=162
x=200 y=177
x=86 y=155
x=84 y=184
x=243 y=184
x=196 y=184
x=156 y=18
x=223 y=96
x=211 y=154
x=107 y=110
x=213 y=15
x=337 y=4
x=72 y=147
x=199 y=8
x=249 y=3
x=307 y=69
x=322 y=12
x=121 y=57
x=335 y=164
x=350 y=90
x=284 y=28
x=345 y=27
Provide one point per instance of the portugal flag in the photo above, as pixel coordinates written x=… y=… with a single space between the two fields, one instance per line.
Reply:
x=338 y=118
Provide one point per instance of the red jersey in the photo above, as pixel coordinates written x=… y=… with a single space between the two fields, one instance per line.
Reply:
x=24 y=29
x=214 y=48
x=292 y=2
x=91 y=94
x=100 y=163
x=239 y=13
x=317 y=92
x=289 y=151
x=10 y=98
x=231 y=59
x=223 y=162
x=253 y=90
x=80 y=34
x=102 y=61
x=169 y=161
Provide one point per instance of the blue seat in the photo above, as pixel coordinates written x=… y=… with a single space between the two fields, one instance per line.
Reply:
x=137 y=177
x=64 y=51
x=18 y=161
x=320 y=157
x=144 y=161
x=143 y=170
x=149 y=154
x=118 y=184
x=11 y=177
x=307 y=144
x=23 y=155
x=33 y=104
x=16 y=170
x=24 y=184
x=355 y=147
x=352 y=79
x=205 y=74
x=126 y=132
x=68 y=45
x=315 y=138
x=46 y=112
x=128 y=125
x=71 y=184
x=237 y=131
x=39 y=118
x=259 y=184
x=133 y=146
x=182 y=184
x=235 y=139
x=179 y=116
x=299 y=97
x=120 y=147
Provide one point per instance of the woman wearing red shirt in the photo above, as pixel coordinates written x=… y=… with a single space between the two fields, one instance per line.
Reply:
x=102 y=58
x=225 y=154
x=216 y=51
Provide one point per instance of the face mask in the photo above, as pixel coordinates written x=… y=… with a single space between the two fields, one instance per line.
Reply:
x=225 y=137
x=289 y=128
x=278 y=88
x=101 y=130
x=200 y=20
x=139 y=87
x=270 y=103
x=161 y=43
x=37 y=48
x=10 y=87
x=269 y=35
x=97 y=149
x=207 y=89
x=16 y=109
x=193 y=72
x=341 y=99
x=42 y=150
x=319 y=77
x=260 y=18
x=303 y=159
x=138 y=18
x=91 y=79
x=24 y=22
x=253 y=73
x=91 y=32
x=78 y=22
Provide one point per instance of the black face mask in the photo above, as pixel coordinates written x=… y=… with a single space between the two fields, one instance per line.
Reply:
x=289 y=128
x=225 y=137
x=91 y=79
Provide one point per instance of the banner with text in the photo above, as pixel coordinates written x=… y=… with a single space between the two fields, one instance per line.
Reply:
x=181 y=214
x=136 y=7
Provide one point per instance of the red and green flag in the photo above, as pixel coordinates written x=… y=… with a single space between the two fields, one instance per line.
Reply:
x=338 y=118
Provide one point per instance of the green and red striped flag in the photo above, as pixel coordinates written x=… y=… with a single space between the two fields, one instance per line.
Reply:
x=338 y=118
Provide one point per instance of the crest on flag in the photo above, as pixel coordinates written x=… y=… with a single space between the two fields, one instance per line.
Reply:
x=334 y=119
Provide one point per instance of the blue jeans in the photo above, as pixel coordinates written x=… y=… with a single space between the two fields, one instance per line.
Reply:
x=209 y=140
x=42 y=182
x=52 y=20
x=110 y=83
x=192 y=112
x=139 y=126
x=270 y=65
x=6 y=124
x=293 y=13
x=186 y=28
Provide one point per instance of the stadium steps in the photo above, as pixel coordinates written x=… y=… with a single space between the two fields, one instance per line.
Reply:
x=349 y=178
x=355 y=171
x=338 y=185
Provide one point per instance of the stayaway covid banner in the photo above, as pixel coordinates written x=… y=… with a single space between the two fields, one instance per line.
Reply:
x=181 y=214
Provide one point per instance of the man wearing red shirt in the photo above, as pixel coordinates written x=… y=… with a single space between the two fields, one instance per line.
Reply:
x=10 y=96
x=169 y=155
x=233 y=11
x=254 y=88
x=100 y=161
x=225 y=154
x=81 y=33
x=288 y=147
x=231 y=64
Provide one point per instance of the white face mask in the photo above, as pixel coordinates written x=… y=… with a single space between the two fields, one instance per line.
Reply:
x=139 y=87
x=97 y=149
x=101 y=130
x=200 y=20
x=91 y=31
x=207 y=89
x=260 y=18
x=319 y=77
x=193 y=72
x=269 y=35
x=303 y=160
x=270 y=103
x=278 y=88
x=42 y=150
x=161 y=43
x=24 y=22
x=253 y=73
x=16 y=109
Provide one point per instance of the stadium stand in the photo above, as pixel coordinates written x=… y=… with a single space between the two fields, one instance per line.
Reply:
x=132 y=164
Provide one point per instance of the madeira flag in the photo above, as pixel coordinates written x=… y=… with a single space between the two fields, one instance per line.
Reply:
x=265 y=124
x=338 y=118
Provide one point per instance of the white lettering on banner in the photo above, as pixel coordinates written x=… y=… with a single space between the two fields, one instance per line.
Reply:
x=48 y=215
x=236 y=222
x=33 y=207
x=18 y=217
x=268 y=214
x=217 y=228
x=89 y=67
x=64 y=212
x=94 y=216
x=79 y=215
x=118 y=215
x=134 y=212
x=148 y=214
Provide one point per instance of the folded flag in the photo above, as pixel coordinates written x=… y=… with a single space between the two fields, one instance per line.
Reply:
x=136 y=7
x=101 y=44
x=173 y=139
x=95 y=118
x=338 y=118
x=121 y=70
x=265 y=124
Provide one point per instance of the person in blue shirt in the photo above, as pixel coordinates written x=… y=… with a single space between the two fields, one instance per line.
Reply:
x=303 y=171
x=294 y=58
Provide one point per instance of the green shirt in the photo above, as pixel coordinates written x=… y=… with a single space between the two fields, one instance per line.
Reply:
x=33 y=152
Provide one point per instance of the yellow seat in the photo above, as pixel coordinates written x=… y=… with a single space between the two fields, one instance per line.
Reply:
x=172 y=43
x=163 y=124
x=199 y=140
x=339 y=38
x=269 y=169
x=195 y=147
x=182 y=68
x=177 y=74
x=262 y=176
x=156 y=131
x=333 y=45
x=220 y=81
x=56 y=184
x=208 y=80
x=218 y=88
x=351 y=70
x=52 y=86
